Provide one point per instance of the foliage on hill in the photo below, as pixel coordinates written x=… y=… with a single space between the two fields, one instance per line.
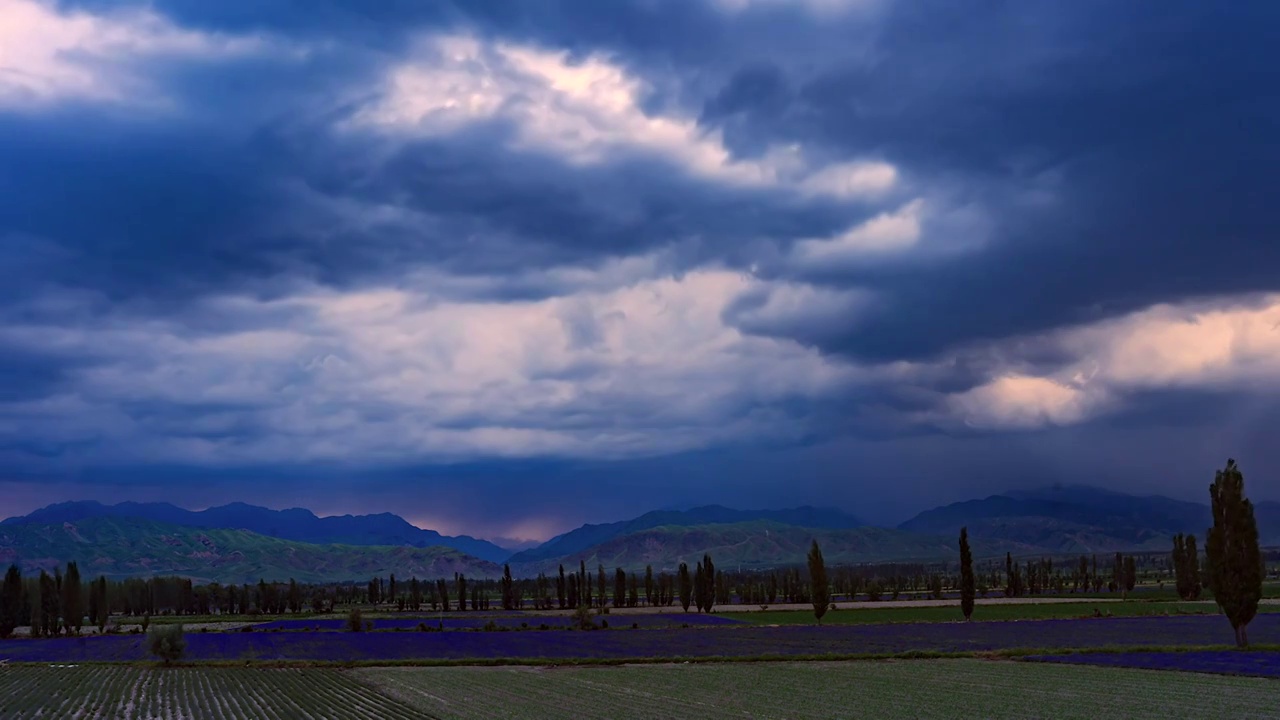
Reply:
x=763 y=544
x=292 y=524
x=587 y=536
x=122 y=547
x=1078 y=519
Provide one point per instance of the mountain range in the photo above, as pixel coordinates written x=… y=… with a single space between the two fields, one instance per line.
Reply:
x=292 y=524
x=576 y=541
x=239 y=542
x=129 y=546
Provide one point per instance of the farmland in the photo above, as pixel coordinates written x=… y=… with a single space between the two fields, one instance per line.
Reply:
x=936 y=688
x=732 y=640
x=931 y=688
x=233 y=694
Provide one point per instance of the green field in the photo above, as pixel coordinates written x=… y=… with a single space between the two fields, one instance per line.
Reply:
x=917 y=688
x=914 y=688
x=852 y=615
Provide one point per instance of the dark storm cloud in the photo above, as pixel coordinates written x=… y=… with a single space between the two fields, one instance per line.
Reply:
x=1075 y=161
x=1146 y=126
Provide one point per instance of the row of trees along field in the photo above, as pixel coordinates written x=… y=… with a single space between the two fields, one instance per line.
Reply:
x=62 y=602
x=1235 y=568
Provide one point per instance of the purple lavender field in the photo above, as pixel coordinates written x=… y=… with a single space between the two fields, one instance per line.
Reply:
x=1224 y=662
x=454 y=622
x=704 y=642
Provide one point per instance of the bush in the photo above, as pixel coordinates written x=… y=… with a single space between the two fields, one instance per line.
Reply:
x=873 y=591
x=582 y=618
x=354 y=622
x=167 y=642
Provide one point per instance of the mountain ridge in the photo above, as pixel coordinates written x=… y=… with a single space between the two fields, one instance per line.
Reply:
x=298 y=524
x=128 y=547
x=589 y=535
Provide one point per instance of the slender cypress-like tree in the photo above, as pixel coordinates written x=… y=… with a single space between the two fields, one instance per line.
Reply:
x=966 y=575
x=1130 y=573
x=1180 y=565
x=462 y=593
x=1192 y=558
x=104 y=604
x=72 y=600
x=584 y=584
x=648 y=585
x=10 y=601
x=709 y=580
x=1235 y=560
x=700 y=588
x=819 y=588
x=561 y=589
x=619 y=588
x=685 y=585
x=601 y=584
x=508 y=589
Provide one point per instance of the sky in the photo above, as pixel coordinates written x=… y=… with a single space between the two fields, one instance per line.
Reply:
x=507 y=267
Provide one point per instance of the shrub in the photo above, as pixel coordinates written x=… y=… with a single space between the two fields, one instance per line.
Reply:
x=582 y=618
x=873 y=591
x=167 y=642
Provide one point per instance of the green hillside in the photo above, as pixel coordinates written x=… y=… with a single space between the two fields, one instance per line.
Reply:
x=122 y=547
x=764 y=544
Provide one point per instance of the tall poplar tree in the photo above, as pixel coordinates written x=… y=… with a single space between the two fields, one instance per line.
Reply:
x=685 y=586
x=966 y=575
x=10 y=601
x=709 y=578
x=820 y=589
x=72 y=601
x=1235 y=560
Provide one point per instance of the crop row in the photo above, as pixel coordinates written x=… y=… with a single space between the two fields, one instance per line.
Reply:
x=514 y=622
x=222 y=694
x=1226 y=662
x=735 y=641
x=920 y=688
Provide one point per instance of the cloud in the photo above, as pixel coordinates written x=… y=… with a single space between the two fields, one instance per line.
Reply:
x=585 y=111
x=49 y=55
x=820 y=8
x=1233 y=344
x=385 y=374
x=886 y=233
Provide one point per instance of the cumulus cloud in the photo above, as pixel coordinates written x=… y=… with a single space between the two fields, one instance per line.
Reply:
x=1231 y=344
x=586 y=111
x=48 y=54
